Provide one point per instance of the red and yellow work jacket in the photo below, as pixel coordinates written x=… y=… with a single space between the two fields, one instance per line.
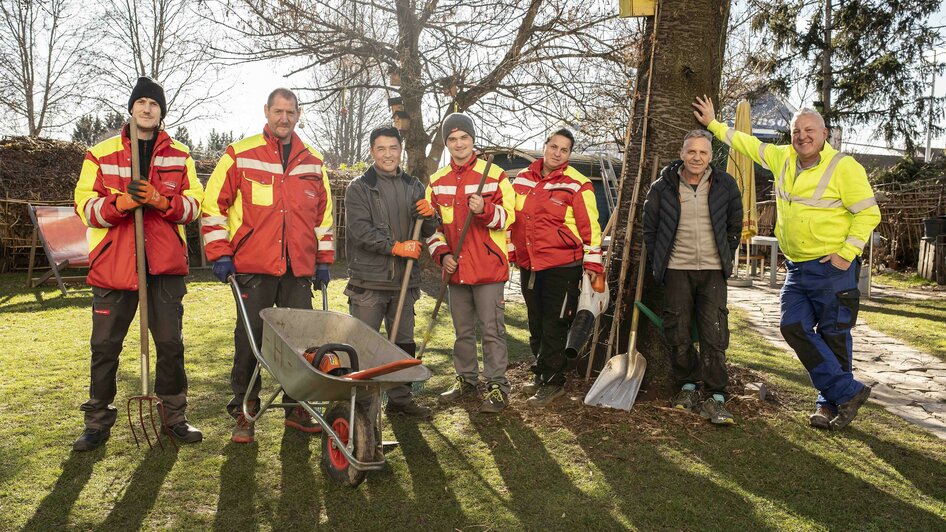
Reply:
x=483 y=258
x=261 y=214
x=556 y=220
x=105 y=174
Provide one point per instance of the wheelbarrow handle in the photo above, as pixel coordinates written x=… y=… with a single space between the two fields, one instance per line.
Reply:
x=244 y=315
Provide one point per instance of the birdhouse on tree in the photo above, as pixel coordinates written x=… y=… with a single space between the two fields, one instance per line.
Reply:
x=402 y=121
x=396 y=104
x=637 y=8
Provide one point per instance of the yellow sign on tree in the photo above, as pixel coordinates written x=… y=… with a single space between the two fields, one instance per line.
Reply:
x=638 y=8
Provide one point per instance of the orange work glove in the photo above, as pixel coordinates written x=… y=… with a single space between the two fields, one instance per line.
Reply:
x=125 y=203
x=144 y=192
x=409 y=249
x=424 y=209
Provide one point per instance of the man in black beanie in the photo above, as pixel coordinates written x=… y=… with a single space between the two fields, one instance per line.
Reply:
x=105 y=198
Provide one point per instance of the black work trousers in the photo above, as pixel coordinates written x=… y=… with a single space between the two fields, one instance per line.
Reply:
x=551 y=299
x=259 y=292
x=112 y=313
x=701 y=293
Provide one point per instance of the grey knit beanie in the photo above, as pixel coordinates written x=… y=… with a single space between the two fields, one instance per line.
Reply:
x=458 y=122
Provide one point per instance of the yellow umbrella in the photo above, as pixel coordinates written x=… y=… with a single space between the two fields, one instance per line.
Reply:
x=741 y=167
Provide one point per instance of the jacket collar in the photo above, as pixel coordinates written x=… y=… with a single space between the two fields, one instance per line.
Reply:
x=371 y=176
x=161 y=138
x=535 y=169
x=294 y=139
x=469 y=164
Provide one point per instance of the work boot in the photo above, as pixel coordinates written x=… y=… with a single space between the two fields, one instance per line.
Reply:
x=714 y=409
x=821 y=419
x=243 y=431
x=531 y=388
x=495 y=401
x=848 y=411
x=686 y=398
x=298 y=418
x=409 y=409
x=185 y=432
x=546 y=394
x=91 y=439
x=460 y=389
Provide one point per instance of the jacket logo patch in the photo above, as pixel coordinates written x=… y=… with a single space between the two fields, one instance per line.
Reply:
x=103 y=311
x=171 y=184
x=310 y=194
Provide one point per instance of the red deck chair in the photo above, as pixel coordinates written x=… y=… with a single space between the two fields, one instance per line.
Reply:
x=62 y=235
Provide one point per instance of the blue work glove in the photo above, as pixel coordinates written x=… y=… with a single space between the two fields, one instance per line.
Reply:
x=223 y=269
x=321 y=277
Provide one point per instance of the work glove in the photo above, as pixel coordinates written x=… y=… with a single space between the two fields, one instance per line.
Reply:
x=321 y=277
x=144 y=192
x=424 y=209
x=223 y=268
x=409 y=249
x=125 y=203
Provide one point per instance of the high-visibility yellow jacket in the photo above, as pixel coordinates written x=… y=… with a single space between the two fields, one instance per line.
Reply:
x=829 y=208
x=484 y=257
x=105 y=175
x=265 y=216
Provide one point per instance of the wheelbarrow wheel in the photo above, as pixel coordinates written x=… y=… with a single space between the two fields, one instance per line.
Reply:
x=334 y=463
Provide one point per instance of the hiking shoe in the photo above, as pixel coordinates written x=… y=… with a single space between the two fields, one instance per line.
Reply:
x=685 y=399
x=185 y=432
x=299 y=419
x=821 y=419
x=546 y=394
x=90 y=440
x=495 y=401
x=715 y=411
x=460 y=389
x=243 y=431
x=409 y=409
x=848 y=411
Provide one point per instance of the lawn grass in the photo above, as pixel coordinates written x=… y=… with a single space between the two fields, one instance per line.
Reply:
x=902 y=280
x=920 y=323
x=570 y=468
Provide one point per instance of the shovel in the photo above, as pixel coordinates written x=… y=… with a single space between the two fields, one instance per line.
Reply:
x=146 y=402
x=620 y=380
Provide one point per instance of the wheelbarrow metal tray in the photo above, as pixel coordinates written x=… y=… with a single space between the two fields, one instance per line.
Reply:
x=287 y=333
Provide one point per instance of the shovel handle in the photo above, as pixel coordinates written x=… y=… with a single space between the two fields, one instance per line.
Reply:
x=415 y=235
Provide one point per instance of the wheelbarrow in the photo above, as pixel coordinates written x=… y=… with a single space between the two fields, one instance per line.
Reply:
x=349 y=444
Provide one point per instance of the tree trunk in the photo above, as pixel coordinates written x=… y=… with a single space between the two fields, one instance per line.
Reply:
x=690 y=41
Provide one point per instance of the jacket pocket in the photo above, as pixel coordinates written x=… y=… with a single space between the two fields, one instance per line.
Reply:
x=261 y=192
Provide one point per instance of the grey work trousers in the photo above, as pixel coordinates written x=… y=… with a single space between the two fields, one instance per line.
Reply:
x=483 y=305
x=375 y=306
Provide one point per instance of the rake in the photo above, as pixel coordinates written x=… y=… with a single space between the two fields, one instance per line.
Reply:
x=147 y=403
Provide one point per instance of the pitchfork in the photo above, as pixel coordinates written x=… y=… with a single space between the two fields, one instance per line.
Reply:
x=145 y=401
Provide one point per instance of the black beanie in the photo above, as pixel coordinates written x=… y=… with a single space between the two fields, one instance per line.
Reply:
x=148 y=88
x=455 y=122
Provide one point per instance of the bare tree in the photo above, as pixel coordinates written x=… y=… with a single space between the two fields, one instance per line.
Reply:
x=160 y=39
x=42 y=62
x=342 y=123
x=507 y=62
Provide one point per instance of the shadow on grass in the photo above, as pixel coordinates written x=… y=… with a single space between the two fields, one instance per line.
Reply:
x=915 y=467
x=298 y=501
x=73 y=300
x=53 y=511
x=235 y=504
x=892 y=310
x=142 y=490
x=540 y=493
x=430 y=482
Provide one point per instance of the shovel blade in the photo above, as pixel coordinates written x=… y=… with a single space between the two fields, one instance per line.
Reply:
x=619 y=382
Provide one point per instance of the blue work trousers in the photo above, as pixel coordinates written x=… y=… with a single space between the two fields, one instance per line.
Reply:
x=819 y=307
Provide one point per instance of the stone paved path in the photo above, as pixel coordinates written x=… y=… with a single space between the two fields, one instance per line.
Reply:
x=906 y=382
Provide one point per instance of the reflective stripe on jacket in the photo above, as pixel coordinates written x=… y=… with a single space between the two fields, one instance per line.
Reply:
x=483 y=258
x=829 y=208
x=556 y=220
x=105 y=174
x=262 y=215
